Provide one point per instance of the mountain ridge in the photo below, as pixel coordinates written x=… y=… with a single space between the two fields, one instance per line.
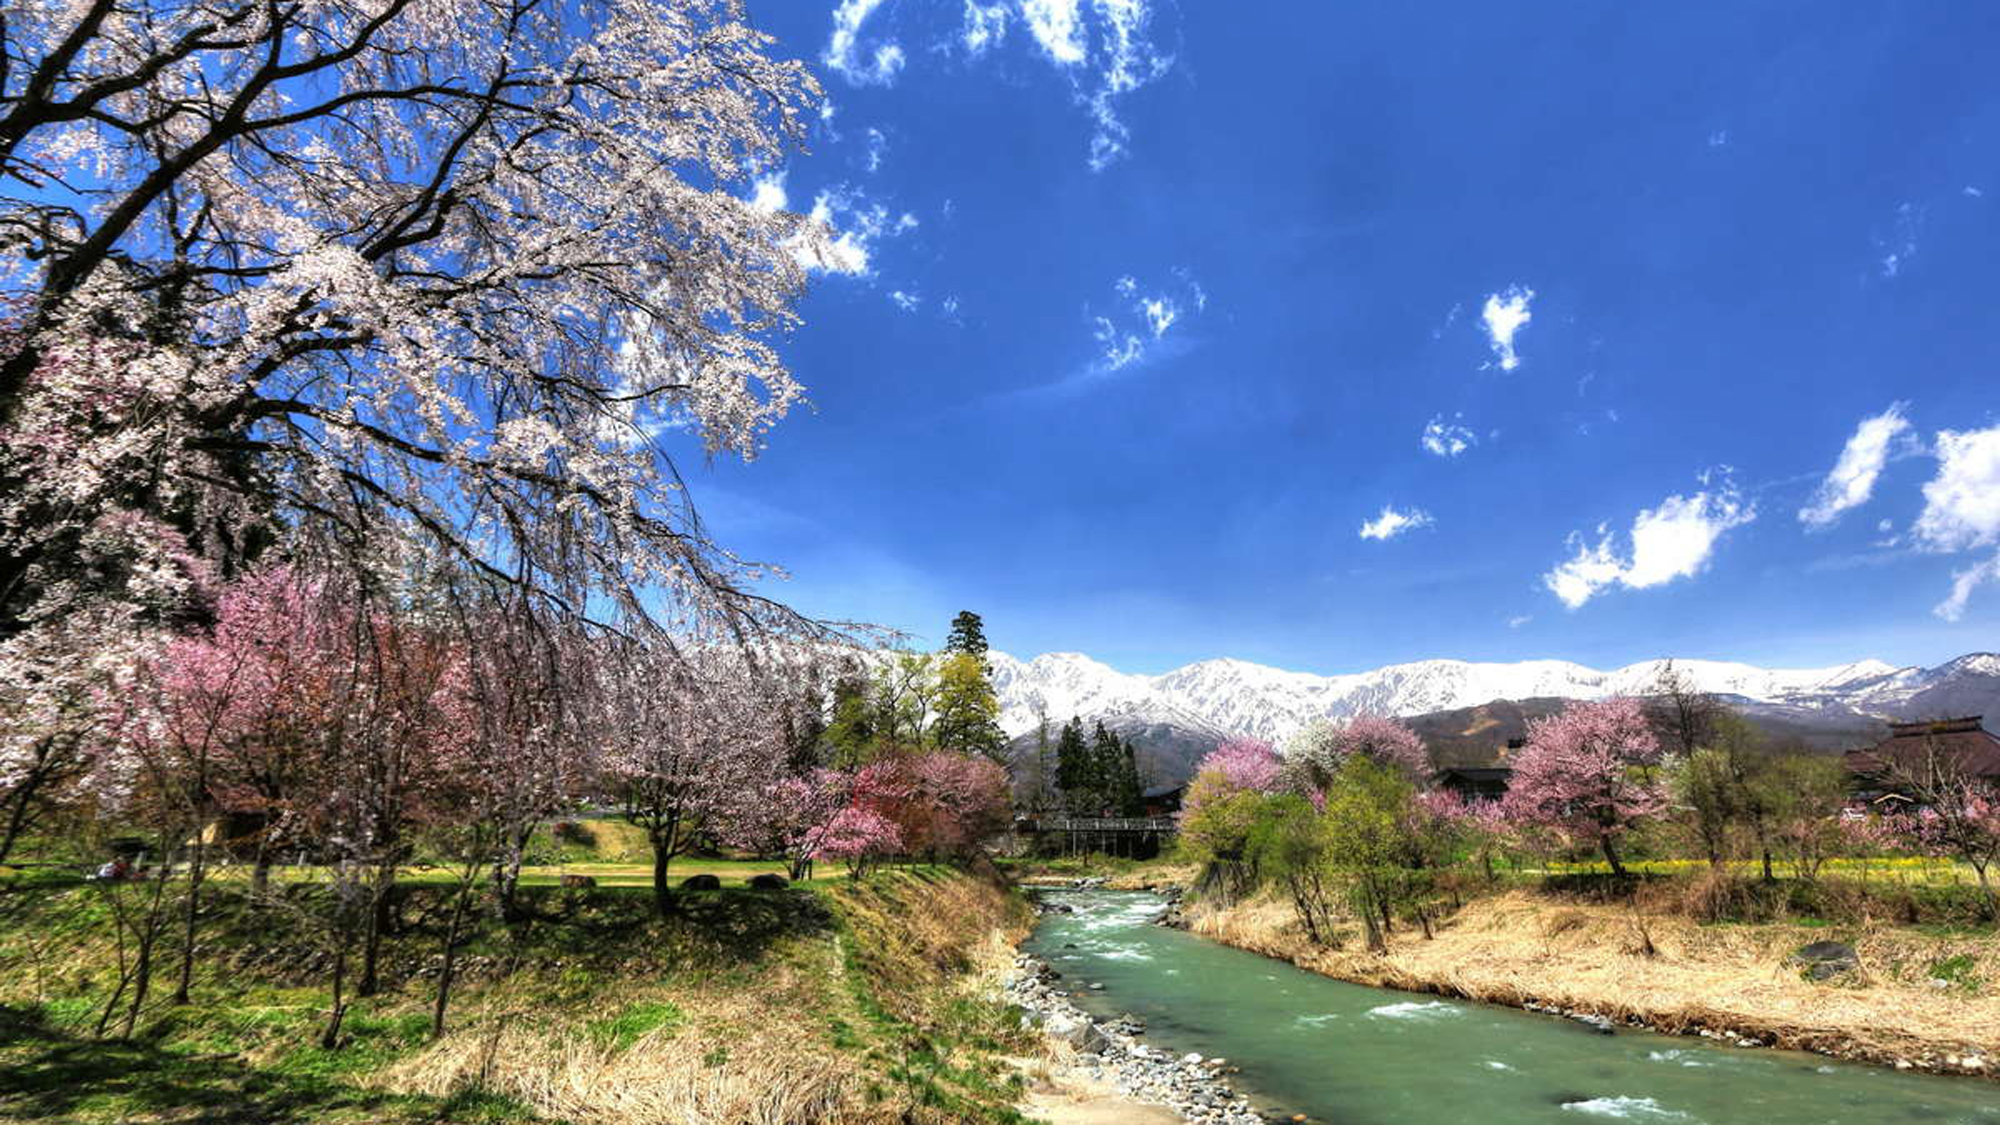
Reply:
x=1210 y=700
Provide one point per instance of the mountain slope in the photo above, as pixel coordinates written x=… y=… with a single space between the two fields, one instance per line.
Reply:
x=1177 y=715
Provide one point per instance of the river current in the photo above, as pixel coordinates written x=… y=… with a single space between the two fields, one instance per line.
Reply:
x=1347 y=1054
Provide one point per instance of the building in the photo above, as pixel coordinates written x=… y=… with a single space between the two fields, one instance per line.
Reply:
x=1475 y=783
x=1962 y=745
x=1164 y=800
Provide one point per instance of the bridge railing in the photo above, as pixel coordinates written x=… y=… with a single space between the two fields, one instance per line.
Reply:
x=1160 y=824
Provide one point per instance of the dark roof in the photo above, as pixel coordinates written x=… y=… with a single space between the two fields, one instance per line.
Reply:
x=1963 y=741
x=1476 y=773
x=1164 y=790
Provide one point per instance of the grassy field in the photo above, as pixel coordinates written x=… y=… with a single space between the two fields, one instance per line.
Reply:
x=840 y=1001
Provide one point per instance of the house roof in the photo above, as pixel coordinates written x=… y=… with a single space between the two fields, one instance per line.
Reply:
x=1963 y=741
x=1477 y=773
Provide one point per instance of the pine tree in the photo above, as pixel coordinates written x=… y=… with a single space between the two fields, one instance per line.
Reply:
x=1073 y=766
x=968 y=713
x=1131 y=791
x=968 y=635
x=1107 y=765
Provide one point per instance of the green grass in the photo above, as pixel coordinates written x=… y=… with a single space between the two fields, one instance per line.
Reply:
x=634 y=1021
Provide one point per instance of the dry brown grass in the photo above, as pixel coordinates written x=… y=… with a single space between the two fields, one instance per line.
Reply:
x=742 y=1060
x=750 y=1052
x=1515 y=947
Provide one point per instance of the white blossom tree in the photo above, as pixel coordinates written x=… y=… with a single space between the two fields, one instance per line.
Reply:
x=351 y=270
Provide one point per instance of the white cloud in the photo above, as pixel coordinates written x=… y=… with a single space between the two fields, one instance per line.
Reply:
x=1962 y=584
x=1147 y=318
x=877 y=145
x=1852 y=479
x=849 y=225
x=1900 y=245
x=1962 y=503
x=1103 y=48
x=844 y=53
x=985 y=26
x=1973 y=192
x=1674 y=540
x=1447 y=439
x=767 y=193
x=908 y=302
x=1519 y=620
x=1055 y=26
x=1504 y=315
x=1392 y=523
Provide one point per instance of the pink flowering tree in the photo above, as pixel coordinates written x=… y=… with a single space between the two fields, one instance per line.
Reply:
x=1478 y=826
x=794 y=816
x=862 y=837
x=1956 y=815
x=688 y=738
x=1588 y=771
x=1220 y=807
x=1315 y=754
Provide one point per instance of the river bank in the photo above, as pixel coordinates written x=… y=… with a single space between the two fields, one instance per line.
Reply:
x=1734 y=984
x=866 y=1002
x=1103 y=1073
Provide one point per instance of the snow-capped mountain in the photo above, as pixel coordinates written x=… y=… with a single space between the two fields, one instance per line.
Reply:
x=1224 y=697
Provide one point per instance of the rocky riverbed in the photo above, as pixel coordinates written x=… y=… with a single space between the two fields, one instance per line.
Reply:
x=1190 y=1085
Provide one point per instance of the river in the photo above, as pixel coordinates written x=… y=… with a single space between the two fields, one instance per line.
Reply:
x=1347 y=1054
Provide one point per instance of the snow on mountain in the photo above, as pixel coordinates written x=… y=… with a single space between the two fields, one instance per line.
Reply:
x=1237 y=697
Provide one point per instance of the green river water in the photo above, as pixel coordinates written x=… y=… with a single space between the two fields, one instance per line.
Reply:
x=1352 y=1055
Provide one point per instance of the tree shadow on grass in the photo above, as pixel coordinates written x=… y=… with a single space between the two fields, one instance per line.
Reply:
x=47 y=1074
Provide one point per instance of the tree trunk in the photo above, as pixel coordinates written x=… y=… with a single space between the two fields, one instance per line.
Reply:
x=377 y=927
x=450 y=962
x=1768 y=877
x=330 y=1038
x=663 y=895
x=1611 y=856
x=197 y=868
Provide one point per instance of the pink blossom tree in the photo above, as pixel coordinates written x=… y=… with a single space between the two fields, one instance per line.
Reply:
x=794 y=816
x=688 y=738
x=862 y=837
x=1588 y=771
x=1314 y=755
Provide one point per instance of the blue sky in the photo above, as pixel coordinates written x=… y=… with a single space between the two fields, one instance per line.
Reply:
x=1650 y=329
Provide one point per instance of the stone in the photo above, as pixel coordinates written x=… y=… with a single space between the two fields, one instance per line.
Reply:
x=1191 y=1058
x=1823 y=959
x=701 y=883
x=769 y=881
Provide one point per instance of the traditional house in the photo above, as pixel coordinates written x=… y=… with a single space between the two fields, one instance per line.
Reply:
x=1164 y=800
x=1962 y=745
x=1475 y=783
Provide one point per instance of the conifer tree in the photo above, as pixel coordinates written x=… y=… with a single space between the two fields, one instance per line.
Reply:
x=968 y=635
x=1073 y=766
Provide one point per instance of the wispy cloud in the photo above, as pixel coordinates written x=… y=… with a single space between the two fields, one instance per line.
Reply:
x=985 y=27
x=1132 y=333
x=1852 y=479
x=1963 y=582
x=1447 y=439
x=848 y=225
x=1674 y=540
x=908 y=302
x=846 y=56
x=1104 y=48
x=1392 y=523
x=1899 y=245
x=1518 y=620
x=1504 y=315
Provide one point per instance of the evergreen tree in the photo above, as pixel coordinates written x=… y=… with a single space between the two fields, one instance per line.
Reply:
x=851 y=735
x=968 y=635
x=1107 y=766
x=968 y=713
x=1131 y=792
x=1073 y=766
